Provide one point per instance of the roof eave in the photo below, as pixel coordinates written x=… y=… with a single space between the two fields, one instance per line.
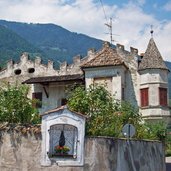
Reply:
x=153 y=68
x=98 y=66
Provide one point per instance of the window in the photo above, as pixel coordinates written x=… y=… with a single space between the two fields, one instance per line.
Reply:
x=63 y=140
x=163 y=96
x=63 y=102
x=17 y=71
x=123 y=93
x=144 y=97
x=38 y=97
x=31 y=70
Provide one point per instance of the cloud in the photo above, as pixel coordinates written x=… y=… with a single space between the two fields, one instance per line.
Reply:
x=87 y=17
x=167 y=6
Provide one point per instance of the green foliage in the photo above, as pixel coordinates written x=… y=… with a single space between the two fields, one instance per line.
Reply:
x=54 y=42
x=107 y=116
x=154 y=130
x=12 y=45
x=16 y=107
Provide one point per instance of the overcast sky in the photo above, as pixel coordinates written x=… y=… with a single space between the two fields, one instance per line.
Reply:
x=131 y=19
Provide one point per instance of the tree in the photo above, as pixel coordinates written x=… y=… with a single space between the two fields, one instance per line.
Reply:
x=107 y=115
x=15 y=106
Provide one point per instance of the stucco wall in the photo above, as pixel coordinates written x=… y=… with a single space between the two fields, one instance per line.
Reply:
x=22 y=153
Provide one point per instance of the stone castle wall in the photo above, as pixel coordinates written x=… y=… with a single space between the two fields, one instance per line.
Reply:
x=22 y=152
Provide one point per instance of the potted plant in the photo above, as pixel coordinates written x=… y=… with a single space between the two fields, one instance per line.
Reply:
x=62 y=149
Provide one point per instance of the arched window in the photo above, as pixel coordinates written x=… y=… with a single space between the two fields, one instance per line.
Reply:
x=63 y=140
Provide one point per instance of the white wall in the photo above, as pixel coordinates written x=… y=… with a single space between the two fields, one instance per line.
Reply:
x=117 y=73
x=56 y=93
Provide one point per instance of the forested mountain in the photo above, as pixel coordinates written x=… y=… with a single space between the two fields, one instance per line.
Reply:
x=56 y=42
x=12 y=45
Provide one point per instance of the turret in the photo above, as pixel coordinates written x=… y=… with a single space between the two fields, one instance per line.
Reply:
x=153 y=85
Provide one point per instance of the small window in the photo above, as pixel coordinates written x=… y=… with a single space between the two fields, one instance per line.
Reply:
x=17 y=71
x=163 y=96
x=144 y=97
x=38 y=97
x=63 y=102
x=123 y=93
x=31 y=70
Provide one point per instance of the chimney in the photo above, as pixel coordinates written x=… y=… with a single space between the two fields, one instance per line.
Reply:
x=134 y=51
x=120 y=47
x=106 y=44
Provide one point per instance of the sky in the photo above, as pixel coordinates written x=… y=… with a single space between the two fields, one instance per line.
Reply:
x=131 y=19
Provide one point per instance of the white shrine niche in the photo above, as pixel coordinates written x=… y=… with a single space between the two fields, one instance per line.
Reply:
x=63 y=134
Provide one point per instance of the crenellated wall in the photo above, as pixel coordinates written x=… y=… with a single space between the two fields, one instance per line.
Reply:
x=26 y=68
x=22 y=152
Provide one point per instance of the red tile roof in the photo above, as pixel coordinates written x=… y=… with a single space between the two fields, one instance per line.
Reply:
x=106 y=57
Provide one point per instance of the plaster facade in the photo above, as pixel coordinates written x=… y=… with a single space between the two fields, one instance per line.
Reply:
x=126 y=71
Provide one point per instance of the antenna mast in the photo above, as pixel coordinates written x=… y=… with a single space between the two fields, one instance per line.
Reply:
x=109 y=25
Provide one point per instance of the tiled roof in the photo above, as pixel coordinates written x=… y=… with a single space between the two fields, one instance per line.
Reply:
x=106 y=57
x=62 y=78
x=152 y=58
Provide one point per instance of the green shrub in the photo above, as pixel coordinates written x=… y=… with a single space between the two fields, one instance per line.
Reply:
x=16 y=107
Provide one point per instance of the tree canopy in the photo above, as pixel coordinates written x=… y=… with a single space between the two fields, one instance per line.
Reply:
x=15 y=106
x=107 y=115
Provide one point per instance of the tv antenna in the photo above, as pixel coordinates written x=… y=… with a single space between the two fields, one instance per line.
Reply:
x=109 y=25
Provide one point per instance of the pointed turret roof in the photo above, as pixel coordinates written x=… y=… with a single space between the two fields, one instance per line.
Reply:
x=107 y=56
x=152 y=58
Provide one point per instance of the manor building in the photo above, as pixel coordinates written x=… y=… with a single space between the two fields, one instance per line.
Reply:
x=139 y=79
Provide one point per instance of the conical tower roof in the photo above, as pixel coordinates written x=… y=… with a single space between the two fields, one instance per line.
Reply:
x=152 y=58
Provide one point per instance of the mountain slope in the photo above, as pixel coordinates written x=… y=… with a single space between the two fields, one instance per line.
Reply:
x=56 y=42
x=13 y=45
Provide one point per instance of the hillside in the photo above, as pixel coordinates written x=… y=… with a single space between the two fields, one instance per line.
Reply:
x=12 y=45
x=56 y=42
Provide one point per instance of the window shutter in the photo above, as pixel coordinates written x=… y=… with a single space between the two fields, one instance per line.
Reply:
x=163 y=96
x=144 y=97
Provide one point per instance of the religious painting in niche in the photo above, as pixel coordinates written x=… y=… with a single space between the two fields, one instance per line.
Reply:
x=63 y=140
